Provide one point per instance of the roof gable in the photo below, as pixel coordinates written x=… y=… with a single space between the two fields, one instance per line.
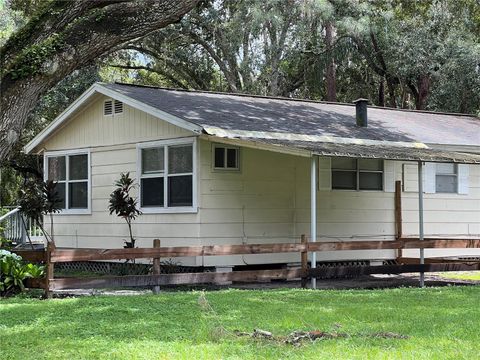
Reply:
x=87 y=97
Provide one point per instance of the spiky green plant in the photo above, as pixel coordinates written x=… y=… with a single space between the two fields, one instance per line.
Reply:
x=124 y=205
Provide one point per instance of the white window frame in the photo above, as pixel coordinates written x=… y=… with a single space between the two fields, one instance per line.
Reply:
x=166 y=144
x=226 y=147
x=357 y=172
x=67 y=153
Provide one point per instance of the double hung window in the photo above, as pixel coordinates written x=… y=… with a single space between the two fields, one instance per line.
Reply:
x=167 y=175
x=70 y=172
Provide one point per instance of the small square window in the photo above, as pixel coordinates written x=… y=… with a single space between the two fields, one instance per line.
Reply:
x=226 y=157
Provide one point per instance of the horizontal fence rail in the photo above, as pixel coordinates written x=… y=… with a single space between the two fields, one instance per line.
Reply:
x=53 y=255
x=68 y=255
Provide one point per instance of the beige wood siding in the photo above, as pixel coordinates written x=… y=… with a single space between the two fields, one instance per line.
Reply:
x=253 y=205
x=91 y=128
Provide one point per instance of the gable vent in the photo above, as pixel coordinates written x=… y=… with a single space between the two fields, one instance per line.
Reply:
x=108 y=107
x=118 y=107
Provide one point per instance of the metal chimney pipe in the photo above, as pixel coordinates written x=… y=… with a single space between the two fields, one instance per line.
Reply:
x=361 y=112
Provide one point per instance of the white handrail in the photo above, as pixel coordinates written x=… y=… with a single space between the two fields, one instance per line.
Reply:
x=10 y=213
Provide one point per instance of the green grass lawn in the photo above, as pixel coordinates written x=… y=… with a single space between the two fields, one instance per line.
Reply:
x=441 y=323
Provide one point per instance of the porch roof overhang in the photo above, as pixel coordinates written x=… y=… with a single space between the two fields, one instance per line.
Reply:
x=387 y=152
x=306 y=145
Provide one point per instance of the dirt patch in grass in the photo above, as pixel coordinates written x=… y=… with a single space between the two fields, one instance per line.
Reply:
x=298 y=337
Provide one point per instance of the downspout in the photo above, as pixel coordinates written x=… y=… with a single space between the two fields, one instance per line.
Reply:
x=313 y=214
x=420 y=219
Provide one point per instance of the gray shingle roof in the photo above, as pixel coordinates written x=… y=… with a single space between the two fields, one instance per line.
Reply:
x=250 y=113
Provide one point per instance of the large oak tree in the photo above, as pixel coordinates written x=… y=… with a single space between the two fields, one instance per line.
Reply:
x=62 y=36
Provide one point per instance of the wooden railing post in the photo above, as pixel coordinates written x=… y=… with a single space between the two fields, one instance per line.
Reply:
x=304 y=259
x=49 y=276
x=156 y=265
x=398 y=215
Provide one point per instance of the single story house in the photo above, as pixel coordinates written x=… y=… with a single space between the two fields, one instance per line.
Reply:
x=216 y=168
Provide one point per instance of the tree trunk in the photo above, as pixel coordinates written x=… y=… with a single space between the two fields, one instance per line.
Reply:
x=391 y=84
x=67 y=36
x=423 y=86
x=330 y=74
x=381 y=93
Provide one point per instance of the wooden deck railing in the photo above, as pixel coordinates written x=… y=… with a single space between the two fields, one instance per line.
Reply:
x=53 y=255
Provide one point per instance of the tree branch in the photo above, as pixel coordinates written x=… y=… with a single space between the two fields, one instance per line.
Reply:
x=42 y=62
x=226 y=72
x=177 y=82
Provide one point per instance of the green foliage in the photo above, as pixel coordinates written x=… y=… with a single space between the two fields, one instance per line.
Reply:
x=10 y=21
x=124 y=205
x=13 y=272
x=4 y=243
x=27 y=7
x=40 y=12
x=402 y=53
x=10 y=183
x=20 y=166
x=59 y=98
x=38 y=197
x=31 y=60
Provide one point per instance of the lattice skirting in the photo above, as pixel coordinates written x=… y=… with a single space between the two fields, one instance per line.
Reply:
x=123 y=268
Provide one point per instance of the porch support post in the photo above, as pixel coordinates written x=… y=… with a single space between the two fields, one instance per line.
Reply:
x=420 y=219
x=313 y=213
